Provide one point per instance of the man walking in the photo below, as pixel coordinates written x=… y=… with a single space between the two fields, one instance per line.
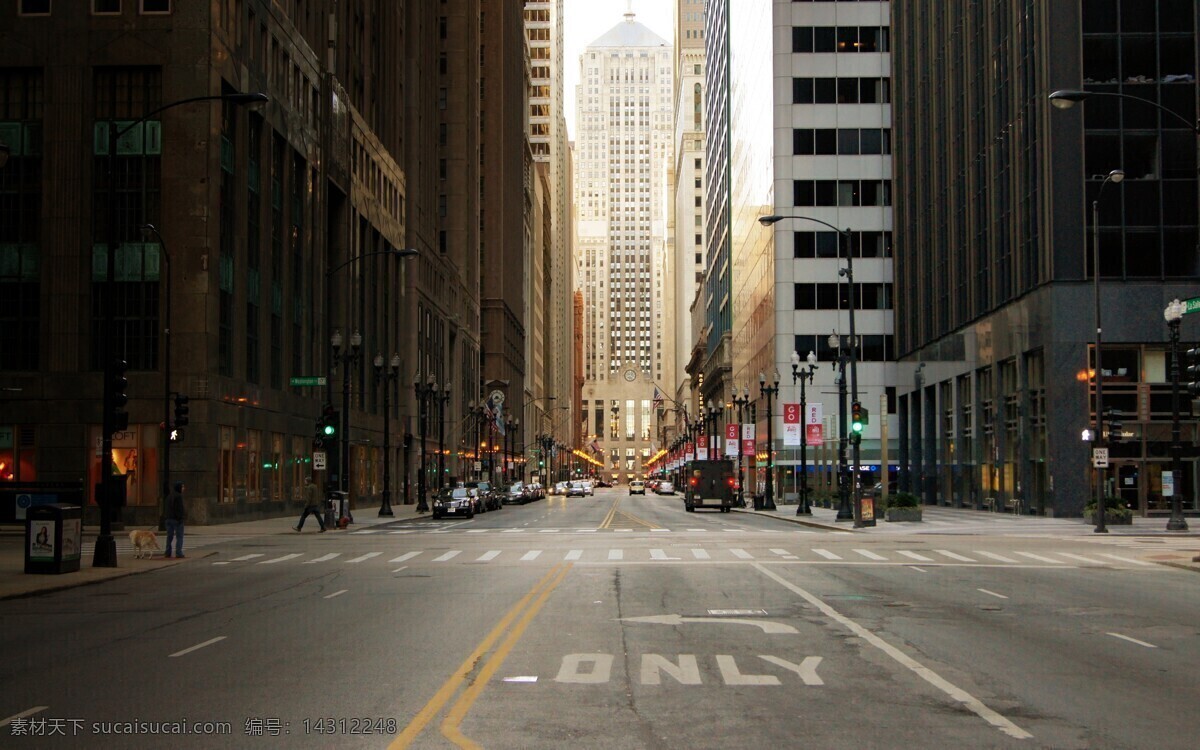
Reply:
x=175 y=521
x=312 y=504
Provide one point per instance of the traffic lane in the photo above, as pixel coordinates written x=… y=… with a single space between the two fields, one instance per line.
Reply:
x=1041 y=639
x=677 y=655
x=667 y=511
x=316 y=647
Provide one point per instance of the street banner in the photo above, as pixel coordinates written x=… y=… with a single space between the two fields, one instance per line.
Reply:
x=702 y=448
x=814 y=434
x=689 y=452
x=791 y=424
x=731 y=440
x=815 y=413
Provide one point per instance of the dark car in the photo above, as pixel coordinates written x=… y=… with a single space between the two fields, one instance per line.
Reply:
x=454 y=501
x=490 y=494
x=514 y=494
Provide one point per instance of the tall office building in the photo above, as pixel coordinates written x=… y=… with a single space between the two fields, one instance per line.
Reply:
x=623 y=147
x=996 y=191
x=801 y=128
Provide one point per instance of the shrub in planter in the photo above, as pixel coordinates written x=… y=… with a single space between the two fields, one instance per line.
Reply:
x=1115 y=512
x=903 y=500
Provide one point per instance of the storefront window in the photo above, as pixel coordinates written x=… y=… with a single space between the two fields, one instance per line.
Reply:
x=17 y=454
x=298 y=463
x=252 y=461
x=272 y=470
x=226 y=465
x=134 y=457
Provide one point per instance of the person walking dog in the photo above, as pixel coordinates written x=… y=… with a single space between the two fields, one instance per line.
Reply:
x=175 y=521
x=312 y=504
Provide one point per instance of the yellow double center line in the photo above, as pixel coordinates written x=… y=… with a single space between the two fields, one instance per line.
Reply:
x=529 y=606
x=615 y=510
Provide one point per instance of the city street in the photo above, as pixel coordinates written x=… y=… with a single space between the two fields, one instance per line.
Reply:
x=617 y=622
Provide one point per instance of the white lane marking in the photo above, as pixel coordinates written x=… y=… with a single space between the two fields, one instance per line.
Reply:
x=366 y=531
x=869 y=554
x=549 y=531
x=954 y=555
x=700 y=530
x=521 y=678
x=660 y=531
x=478 y=531
x=248 y=557
x=402 y=567
x=280 y=559
x=322 y=558
x=574 y=554
x=405 y=556
x=933 y=678
x=616 y=554
x=1132 y=640
x=784 y=554
x=919 y=570
x=994 y=556
x=585 y=531
x=491 y=554
x=701 y=554
x=1081 y=558
x=741 y=554
x=367 y=556
x=22 y=715
x=915 y=556
x=448 y=555
x=1124 y=559
x=1039 y=558
x=658 y=554
x=827 y=554
x=993 y=593
x=404 y=531
x=198 y=646
x=531 y=555
x=337 y=593
x=510 y=531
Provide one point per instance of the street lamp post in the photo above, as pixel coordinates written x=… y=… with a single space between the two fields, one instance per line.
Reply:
x=804 y=374
x=441 y=404
x=1174 y=315
x=166 y=431
x=424 y=394
x=105 y=552
x=743 y=404
x=770 y=392
x=845 y=512
x=351 y=356
x=387 y=378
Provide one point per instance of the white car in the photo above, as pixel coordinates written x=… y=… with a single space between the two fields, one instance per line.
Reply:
x=559 y=488
x=588 y=486
x=637 y=487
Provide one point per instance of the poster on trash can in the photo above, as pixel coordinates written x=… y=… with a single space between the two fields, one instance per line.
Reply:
x=72 y=538
x=41 y=540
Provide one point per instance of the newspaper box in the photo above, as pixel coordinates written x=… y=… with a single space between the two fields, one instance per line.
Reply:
x=53 y=538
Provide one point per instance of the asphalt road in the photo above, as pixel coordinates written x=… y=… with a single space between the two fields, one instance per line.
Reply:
x=615 y=622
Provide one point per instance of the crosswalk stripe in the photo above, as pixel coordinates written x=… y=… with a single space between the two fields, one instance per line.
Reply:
x=404 y=531
x=322 y=558
x=1039 y=558
x=784 y=554
x=1081 y=558
x=827 y=554
x=531 y=555
x=994 y=556
x=405 y=556
x=701 y=554
x=741 y=554
x=367 y=556
x=658 y=554
x=915 y=556
x=574 y=554
x=954 y=555
x=616 y=554
x=448 y=555
x=489 y=555
x=248 y=557
x=869 y=554
x=1124 y=559
x=280 y=559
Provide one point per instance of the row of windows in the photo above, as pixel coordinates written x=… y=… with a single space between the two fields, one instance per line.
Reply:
x=842 y=193
x=841 y=90
x=880 y=348
x=825 y=245
x=841 y=39
x=836 y=296
x=841 y=141
x=99 y=7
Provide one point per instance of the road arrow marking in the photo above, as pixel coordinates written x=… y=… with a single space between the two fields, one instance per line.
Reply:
x=767 y=625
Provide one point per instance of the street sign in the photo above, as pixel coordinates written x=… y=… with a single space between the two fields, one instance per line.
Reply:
x=1191 y=305
x=1100 y=458
x=319 y=460
x=307 y=380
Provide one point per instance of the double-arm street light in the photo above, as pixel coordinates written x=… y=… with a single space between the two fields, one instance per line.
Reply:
x=1066 y=99
x=770 y=392
x=1174 y=315
x=803 y=375
x=425 y=393
x=387 y=378
x=743 y=406
x=105 y=553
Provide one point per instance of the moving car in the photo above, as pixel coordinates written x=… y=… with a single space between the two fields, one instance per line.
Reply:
x=559 y=488
x=576 y=489
x=514 y=494
x=454 y=501
x=587 y=486
x=664 y=488
x=637 y=487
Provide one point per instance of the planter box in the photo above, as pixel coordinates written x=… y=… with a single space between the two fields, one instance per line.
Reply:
x=1090 y=519
x=903 y=514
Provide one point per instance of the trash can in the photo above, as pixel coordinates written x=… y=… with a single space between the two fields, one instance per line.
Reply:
x=53 y=538
x=336 y=509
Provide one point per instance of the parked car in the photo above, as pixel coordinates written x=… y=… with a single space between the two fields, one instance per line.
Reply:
x=637 y=487
x=603 y=483
x=514 y=494
x=664 y=488
x=536 y=490
x=491 y=498
x=454 y=501
x=559 y=488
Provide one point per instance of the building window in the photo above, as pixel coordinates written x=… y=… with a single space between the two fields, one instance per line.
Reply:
x=35 y=7
x=106 y=7
x=156 y=6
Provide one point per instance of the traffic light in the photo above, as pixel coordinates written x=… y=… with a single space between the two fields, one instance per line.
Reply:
x=858 y=418
x=181 y=410
x=117 y=398
x=1116 y=428
x=329 y=421
x=1191 y=359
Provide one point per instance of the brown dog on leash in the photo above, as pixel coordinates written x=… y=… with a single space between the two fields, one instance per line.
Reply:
x=143 y=542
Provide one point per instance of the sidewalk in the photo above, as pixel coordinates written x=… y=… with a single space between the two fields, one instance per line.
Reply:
x=15 y=582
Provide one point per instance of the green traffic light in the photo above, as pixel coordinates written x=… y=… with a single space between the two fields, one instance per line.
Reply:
x=329 y=429
x=857 y=426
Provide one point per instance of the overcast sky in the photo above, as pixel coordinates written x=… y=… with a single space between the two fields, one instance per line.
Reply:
x=587 y=20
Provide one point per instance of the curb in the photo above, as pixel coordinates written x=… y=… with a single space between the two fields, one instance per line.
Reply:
x=124 y=573
x=1194 y=567
x=798 y=520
